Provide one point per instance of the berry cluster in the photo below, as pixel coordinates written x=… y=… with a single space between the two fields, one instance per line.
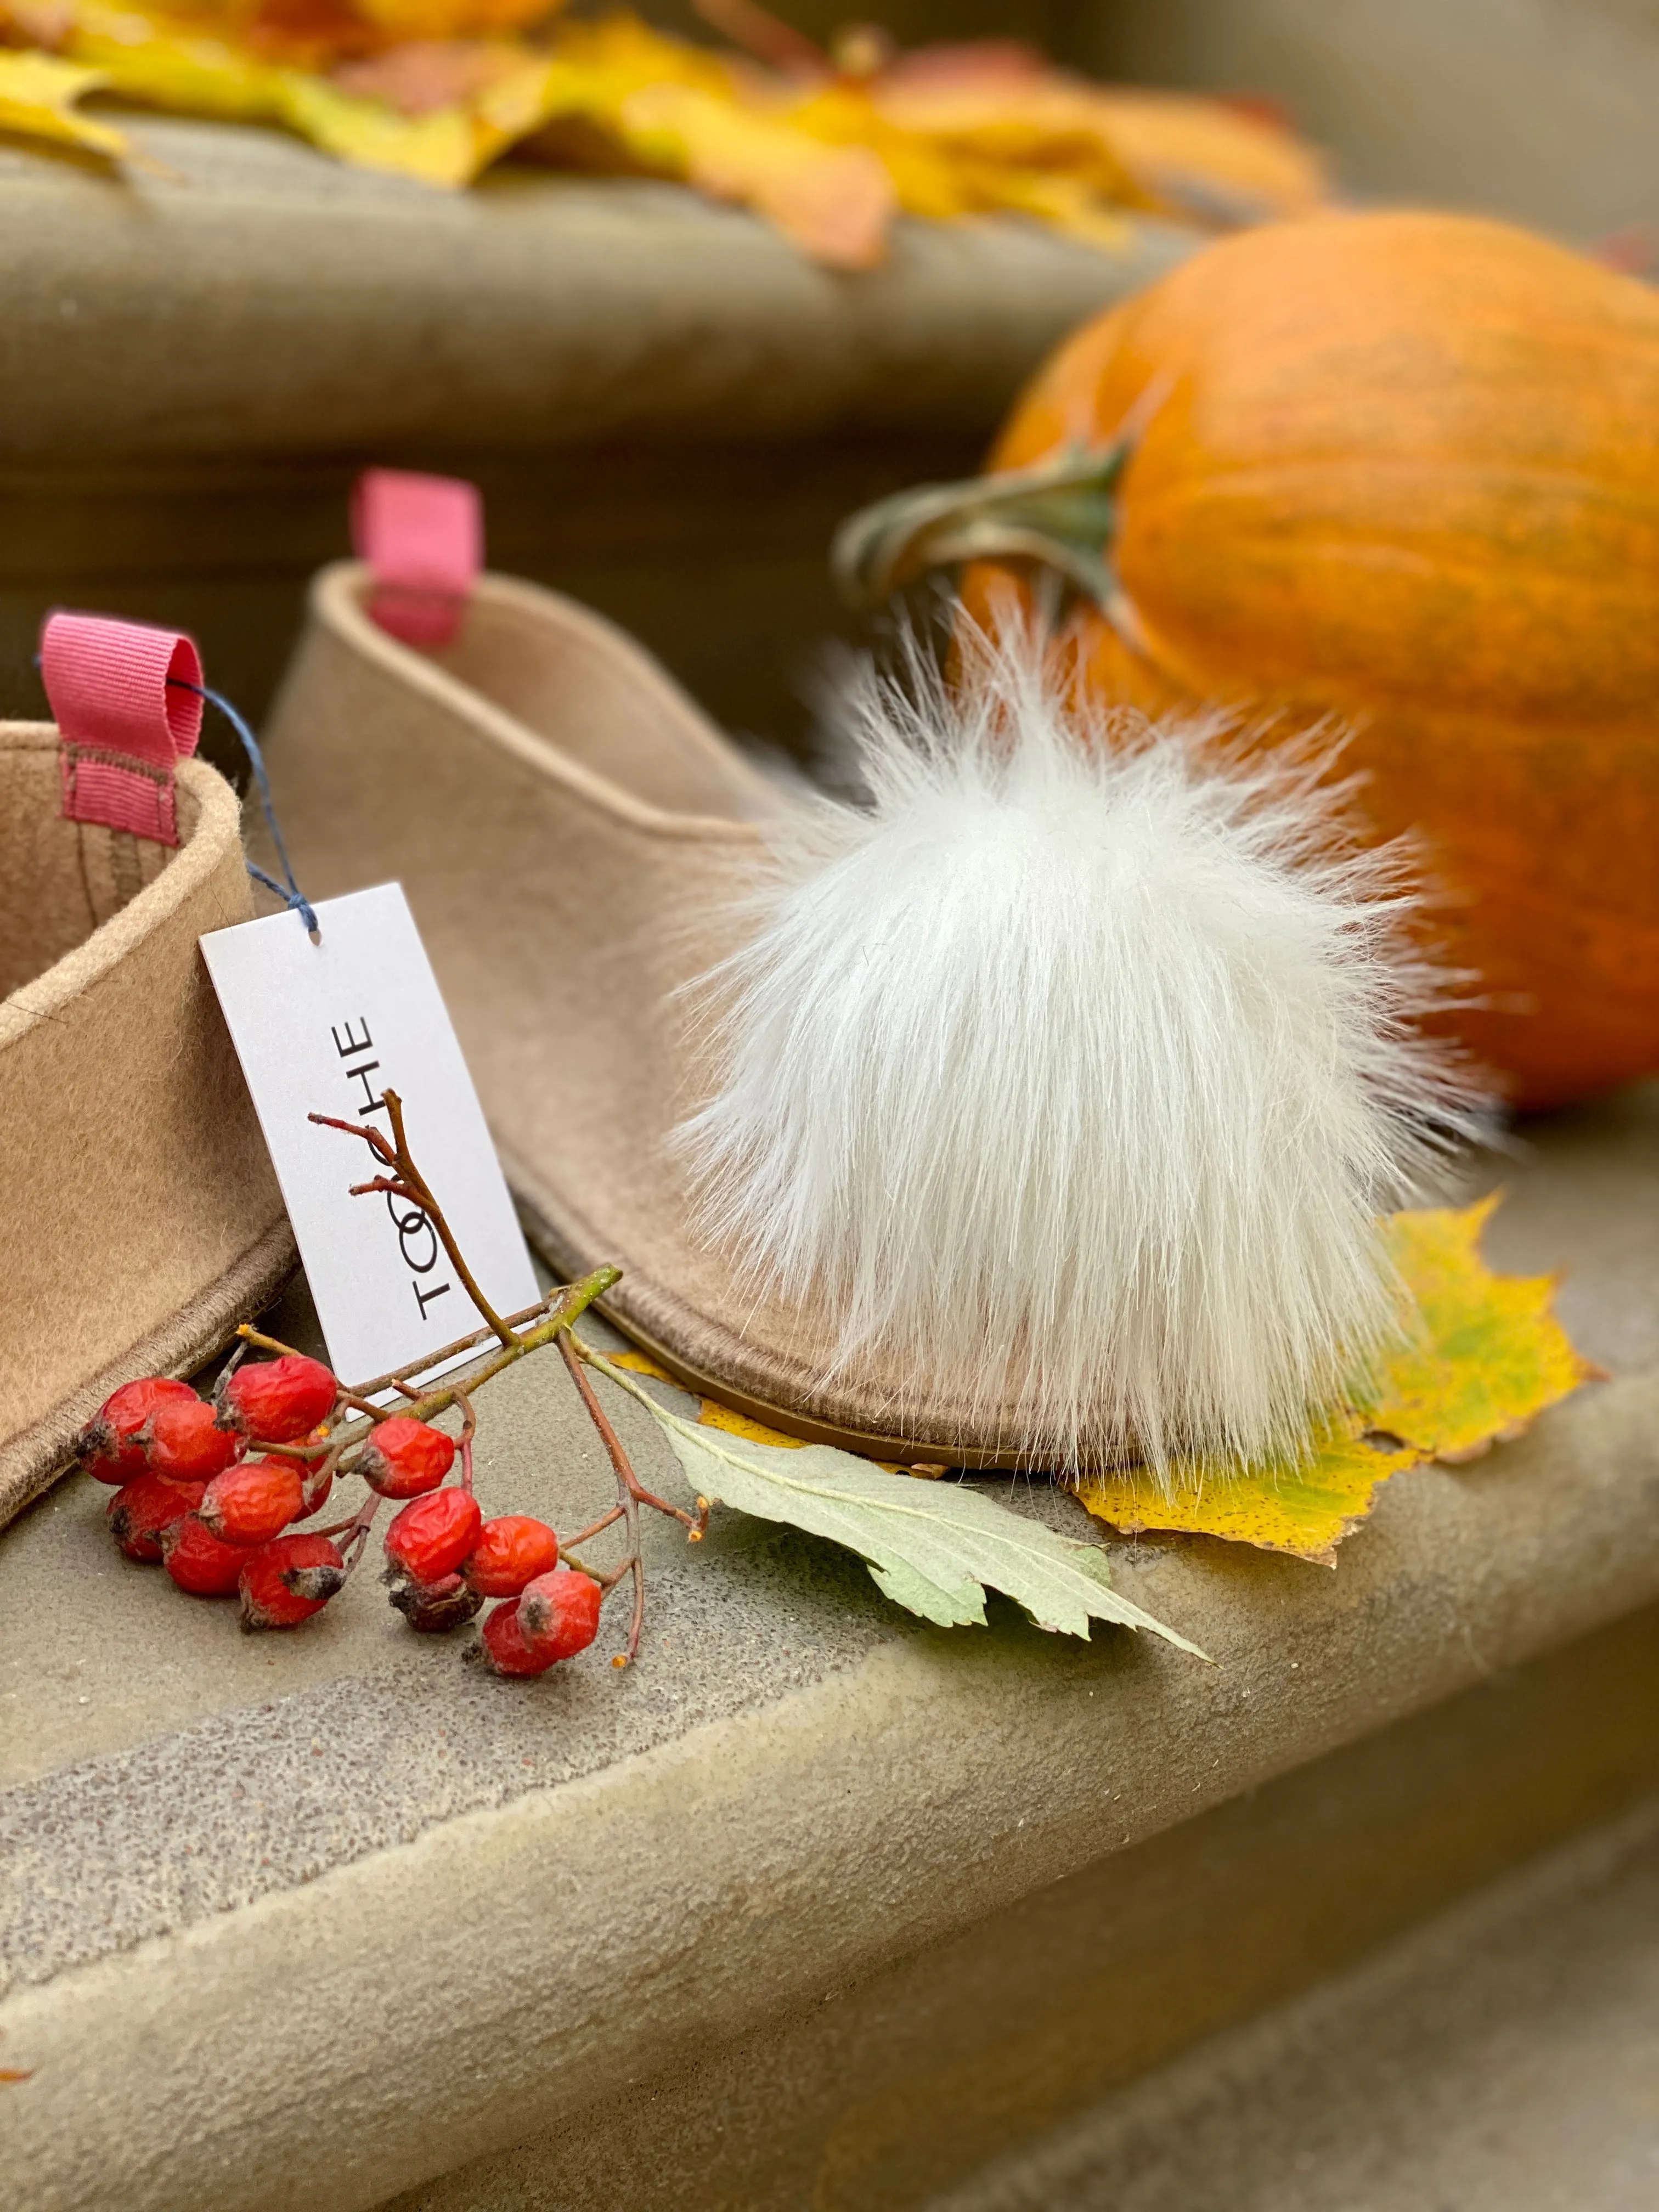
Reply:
x=211 y=1489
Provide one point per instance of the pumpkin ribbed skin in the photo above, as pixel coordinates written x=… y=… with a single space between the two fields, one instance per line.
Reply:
x=1404 y=469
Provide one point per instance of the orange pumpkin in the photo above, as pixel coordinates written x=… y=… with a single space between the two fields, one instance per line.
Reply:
x=1402 y=469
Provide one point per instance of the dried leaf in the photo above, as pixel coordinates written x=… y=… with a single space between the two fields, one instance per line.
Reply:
x=1487 y=1356
x=1209 y=158
x=38 y=96
x=409 y=19
x=933 y=1547
x=426 y=74
x=438 y=89
x=443 y=147
x=175 y=68
x=836 y=203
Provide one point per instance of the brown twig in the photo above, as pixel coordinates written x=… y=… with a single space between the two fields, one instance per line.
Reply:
x=408 y=1183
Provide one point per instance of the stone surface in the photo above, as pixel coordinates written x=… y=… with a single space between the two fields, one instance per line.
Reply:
x=452 y=1912
x=1505 y=2058
x=262 y=299
x=865 y=2096
x=668 y=408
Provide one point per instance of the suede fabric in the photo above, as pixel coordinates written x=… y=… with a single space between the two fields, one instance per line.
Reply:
x=142 y=1219
x=575 y=841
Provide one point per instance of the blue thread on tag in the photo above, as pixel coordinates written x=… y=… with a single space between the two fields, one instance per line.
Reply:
x=292 y=895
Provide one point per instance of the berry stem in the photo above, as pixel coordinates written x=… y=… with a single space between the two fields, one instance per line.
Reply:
x=318 y=1480
x=354 y=1543
x=573 y=1301
x=397 y=1378
x=584 y=1535
x=249 y=1335
x=629 y=1487
x=469 y=1429
x=607 y=1579
x=695 y=1523
x=356 y=1399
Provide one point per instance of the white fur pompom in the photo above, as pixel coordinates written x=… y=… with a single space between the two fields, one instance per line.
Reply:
x=1072 y=1074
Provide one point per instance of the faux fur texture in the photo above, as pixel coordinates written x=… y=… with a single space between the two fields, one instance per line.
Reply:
x=1073 y=1073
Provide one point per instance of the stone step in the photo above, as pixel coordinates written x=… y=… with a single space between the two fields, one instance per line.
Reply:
x=1503 y=2059
x=818 y=1907
x=669 y=408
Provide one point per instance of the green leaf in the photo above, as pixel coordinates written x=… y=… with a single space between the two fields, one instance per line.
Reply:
x=933 y=1547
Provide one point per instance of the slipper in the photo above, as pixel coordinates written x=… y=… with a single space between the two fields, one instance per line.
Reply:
x=1040 y=1112
x=142 y=1220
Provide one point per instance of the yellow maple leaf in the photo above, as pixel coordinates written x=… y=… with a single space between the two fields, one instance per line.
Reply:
x=710 y=1415
x=641 y=1362
x=1490 y=1353
x=714 y=1416
x=38 y=96
x=1487 y=1355
x=1306 y=1510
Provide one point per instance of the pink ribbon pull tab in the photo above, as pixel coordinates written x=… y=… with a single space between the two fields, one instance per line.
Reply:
x=422 y=536
x=123 y=723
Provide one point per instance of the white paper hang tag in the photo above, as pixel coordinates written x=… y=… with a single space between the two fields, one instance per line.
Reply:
x=326 y=1029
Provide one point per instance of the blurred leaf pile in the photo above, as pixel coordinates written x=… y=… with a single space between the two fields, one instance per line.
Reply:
x=829 y=146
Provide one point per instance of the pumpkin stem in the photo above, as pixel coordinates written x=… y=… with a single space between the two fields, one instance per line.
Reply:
x=1062 y=512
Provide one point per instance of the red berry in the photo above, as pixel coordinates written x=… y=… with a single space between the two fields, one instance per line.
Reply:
x=187 y=1443
x=436 y=1607
x=504 y=1646
x=429 y=1539
x=279 y=1401
x=511 y=1550
x=198 y=1562
x=403 y=1458
x=254 y=1502
x=139 y=1511
x=287 y=1580
x=559 y=1615
x=108 y=1447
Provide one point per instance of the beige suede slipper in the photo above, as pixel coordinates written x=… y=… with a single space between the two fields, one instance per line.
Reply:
x=142 y=1218
x=1042 y=1110
x=573 y=836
